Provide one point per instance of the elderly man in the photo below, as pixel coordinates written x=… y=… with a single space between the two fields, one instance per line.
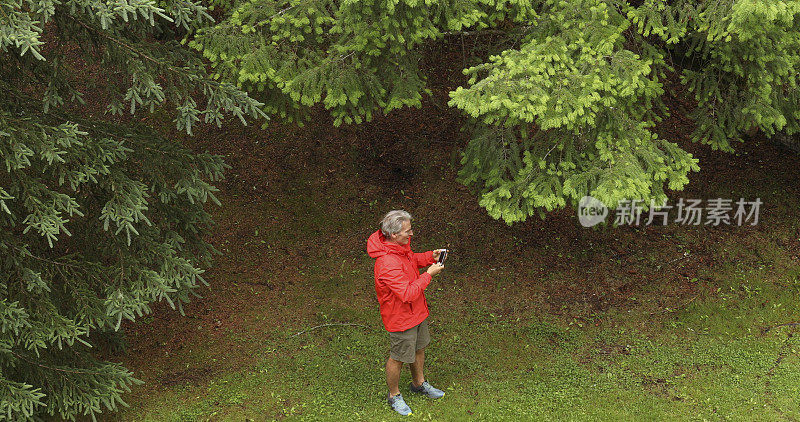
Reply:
x=404 y=310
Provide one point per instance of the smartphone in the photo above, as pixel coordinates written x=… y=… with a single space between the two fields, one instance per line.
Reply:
x=442 y=257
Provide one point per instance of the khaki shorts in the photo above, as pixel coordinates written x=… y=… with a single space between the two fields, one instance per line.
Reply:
x=404 y=344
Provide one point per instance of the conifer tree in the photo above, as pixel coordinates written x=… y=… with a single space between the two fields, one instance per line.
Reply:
x=98 y=219
x=566 y=104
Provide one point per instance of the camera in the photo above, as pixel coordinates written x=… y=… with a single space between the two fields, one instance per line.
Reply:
x=442 y=257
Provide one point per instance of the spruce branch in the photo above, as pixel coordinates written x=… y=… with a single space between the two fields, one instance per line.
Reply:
x=56 y=369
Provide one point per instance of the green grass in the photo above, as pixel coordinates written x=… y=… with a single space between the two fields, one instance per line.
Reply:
x=710 y=360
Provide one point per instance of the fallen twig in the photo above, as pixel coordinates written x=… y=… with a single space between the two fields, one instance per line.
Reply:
x=328 y=325
x=781 y=354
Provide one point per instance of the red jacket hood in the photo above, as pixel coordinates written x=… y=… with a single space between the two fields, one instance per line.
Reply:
x=377 y=246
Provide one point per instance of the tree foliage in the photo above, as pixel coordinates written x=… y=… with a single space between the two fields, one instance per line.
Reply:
x=565 y=105
x=98 y=219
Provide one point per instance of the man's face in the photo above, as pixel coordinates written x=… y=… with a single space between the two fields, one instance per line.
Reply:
x=404 y=235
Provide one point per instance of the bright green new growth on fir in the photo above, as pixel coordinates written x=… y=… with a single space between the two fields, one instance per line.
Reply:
x=354 y=57
x=576 y=106
x=565 y=105
x=586 y=83
x=98 y=220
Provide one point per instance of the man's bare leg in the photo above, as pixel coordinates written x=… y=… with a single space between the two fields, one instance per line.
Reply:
x=417 y=377
x=393 y=368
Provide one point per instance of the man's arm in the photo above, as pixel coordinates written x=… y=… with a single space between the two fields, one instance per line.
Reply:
x=407 y=290
x=423 y=259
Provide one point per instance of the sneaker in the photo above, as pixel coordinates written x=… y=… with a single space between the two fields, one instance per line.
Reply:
x=426 y=389
x=399 y=405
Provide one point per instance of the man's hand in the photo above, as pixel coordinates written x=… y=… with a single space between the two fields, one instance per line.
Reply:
x=436 y=253
x=435 y=269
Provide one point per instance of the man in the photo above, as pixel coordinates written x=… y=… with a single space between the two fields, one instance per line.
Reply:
x=404 y=310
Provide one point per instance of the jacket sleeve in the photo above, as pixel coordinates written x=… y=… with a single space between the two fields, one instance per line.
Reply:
x=407 y=290
x=423 y=259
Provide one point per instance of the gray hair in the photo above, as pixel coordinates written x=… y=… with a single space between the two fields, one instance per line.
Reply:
x=393 y=222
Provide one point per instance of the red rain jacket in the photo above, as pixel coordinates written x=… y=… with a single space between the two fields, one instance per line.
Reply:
x=398 y=284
